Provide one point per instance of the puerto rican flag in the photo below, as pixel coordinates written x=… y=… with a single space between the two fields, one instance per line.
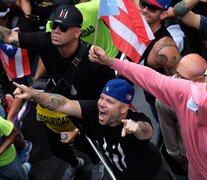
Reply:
x=15 y=61
x=129 y=30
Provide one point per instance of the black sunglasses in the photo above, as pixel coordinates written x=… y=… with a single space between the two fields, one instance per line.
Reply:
x=151 y=8
x=63 y=27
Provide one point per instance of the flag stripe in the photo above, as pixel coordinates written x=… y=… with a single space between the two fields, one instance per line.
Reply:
x=126 y=48
x=128 y=35
x=124 y=19
x=138 y=22
x=25 y=62
x=5 y=62
x=128 y=38
x=18 y=66
x=129 y=30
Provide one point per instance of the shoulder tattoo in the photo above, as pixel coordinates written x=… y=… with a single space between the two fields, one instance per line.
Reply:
x=161 y=46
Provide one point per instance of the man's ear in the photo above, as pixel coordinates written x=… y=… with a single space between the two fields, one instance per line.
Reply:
x=200 y=79
x=124 y=108
x=167 y=14
x=78 y=32
x=163 y=15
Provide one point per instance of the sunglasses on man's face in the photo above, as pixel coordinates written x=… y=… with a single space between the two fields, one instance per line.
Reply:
x=151 y=8
x=63 y=27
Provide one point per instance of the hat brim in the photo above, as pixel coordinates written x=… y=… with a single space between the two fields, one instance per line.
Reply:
x=155 y=3
x=132 y=107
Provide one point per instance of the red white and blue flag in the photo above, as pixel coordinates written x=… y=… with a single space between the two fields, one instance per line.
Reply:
x=129 y=30
x=15 y=61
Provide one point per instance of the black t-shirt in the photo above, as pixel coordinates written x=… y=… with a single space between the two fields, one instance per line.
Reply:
x=90 y=77
x=129 y=157
x=42 y=8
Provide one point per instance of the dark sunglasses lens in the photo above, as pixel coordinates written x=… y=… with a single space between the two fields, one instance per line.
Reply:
x=62 y=27
x=150 y=7
x=143 y=4
x=53 y=25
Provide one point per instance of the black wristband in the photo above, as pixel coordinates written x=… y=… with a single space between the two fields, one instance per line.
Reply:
x=180 y=10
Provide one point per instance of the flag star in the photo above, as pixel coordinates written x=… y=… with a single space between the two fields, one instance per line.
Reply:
x=9 y=47
x=113 y=147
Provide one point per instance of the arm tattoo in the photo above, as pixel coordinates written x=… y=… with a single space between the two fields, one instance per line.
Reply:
x=168 y=42
x=174 y=60
x=180 y=10
x=143 y=130
x=143 y=127
x=53 y=102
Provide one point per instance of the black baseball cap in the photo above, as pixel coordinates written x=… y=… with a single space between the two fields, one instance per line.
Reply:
x=69 y=15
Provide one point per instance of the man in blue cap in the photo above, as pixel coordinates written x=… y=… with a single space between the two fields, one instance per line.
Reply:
x=71 y=73
x=122 y=134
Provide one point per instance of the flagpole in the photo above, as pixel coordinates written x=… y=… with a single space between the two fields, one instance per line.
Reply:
x=96 y=31
x=123 y=56
x=101 y=158
x=97 y=22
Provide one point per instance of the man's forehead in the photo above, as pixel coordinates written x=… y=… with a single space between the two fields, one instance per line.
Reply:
x=109 y=98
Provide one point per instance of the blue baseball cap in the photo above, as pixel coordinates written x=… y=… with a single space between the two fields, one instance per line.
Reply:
x=164 y=4
x=119 y=89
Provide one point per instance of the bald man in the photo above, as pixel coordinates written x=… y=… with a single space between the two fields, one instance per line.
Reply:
x=191 y=67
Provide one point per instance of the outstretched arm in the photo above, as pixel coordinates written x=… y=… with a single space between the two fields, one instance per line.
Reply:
x=166 y=89
x=54 y=102
x=8 y=36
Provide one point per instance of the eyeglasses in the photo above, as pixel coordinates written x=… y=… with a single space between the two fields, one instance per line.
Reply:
x=63 y=27
x=151 y=8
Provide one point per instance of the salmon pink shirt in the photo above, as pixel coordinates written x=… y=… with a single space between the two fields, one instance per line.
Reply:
x=189 y=101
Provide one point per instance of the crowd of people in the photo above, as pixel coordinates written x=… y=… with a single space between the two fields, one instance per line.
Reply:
x=75 y=90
